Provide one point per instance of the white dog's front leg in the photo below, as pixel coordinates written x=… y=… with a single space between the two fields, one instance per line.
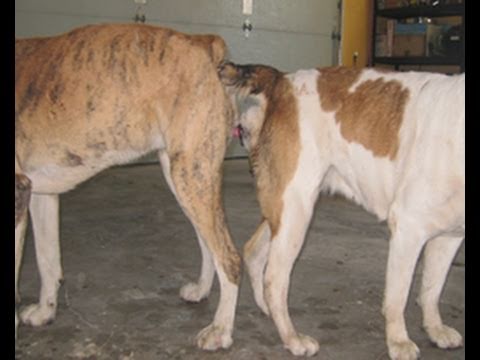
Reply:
x=438 y=255
x=404 y=249
x=44 y=210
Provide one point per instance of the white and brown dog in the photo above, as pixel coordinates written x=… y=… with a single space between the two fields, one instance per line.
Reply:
x=392 y=142
x=104 y=95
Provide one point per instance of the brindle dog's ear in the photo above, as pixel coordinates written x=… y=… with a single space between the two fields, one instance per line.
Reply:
x=229 y=73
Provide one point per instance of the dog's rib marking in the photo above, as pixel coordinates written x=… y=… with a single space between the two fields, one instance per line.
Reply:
x=72 y=159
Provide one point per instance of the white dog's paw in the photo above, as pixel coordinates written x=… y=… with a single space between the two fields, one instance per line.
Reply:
x=214 y=337
x=302 y=345
x=193 y=292
x=37 y=315
x=445 y=337
x=404 y=350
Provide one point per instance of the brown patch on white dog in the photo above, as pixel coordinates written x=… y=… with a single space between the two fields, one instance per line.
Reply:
x=370 y=115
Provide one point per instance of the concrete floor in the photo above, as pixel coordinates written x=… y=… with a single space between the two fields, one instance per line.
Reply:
x=127 y=249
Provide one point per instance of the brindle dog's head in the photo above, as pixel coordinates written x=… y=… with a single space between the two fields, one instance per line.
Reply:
x=251 y=88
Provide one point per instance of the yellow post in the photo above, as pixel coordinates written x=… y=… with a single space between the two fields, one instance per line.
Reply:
x=355 y=32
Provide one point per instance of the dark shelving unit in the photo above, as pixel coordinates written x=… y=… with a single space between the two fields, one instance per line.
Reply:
x=422 y=11
x=400 y=13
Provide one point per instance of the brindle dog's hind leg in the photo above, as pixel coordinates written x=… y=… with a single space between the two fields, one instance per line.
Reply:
x=194 y=291
x=196 y=182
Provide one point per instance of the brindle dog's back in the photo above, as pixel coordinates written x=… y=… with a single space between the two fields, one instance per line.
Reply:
x=101 y=95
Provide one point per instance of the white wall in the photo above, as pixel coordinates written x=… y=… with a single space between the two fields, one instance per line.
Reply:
x=288 y=34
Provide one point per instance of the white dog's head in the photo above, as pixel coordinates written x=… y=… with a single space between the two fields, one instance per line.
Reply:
x=251 y=89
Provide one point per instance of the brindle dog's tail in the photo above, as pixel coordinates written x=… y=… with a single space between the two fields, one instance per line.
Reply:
x=219 y=50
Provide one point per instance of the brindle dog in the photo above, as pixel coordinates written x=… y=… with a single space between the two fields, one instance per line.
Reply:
x=107 y=94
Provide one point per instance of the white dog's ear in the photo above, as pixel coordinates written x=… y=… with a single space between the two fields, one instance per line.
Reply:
x=229 y=73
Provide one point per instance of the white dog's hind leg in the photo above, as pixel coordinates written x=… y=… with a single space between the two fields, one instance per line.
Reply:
x=284 y=249
x=194 y=291
x=255 y=255
x=44 y=210
x=19 y=243
x=438 y=255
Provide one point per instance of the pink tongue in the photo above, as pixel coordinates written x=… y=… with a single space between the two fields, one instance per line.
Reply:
x=236 y=131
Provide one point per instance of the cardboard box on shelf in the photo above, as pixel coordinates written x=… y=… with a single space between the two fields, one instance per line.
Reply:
x=419 y=39
x=409 y=45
